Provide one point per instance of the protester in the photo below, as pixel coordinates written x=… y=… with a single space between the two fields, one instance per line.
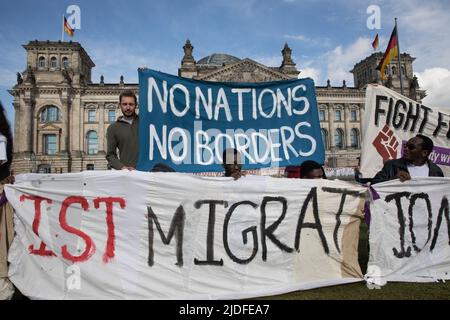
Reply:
x=292 y=172
x=312 y=170
x=232 y=163
x=161 y=167
x=123 y=135
x=414 y=162
x=6 y=211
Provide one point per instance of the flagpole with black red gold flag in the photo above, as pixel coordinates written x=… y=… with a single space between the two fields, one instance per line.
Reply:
x=398 y=58
x=391 y=52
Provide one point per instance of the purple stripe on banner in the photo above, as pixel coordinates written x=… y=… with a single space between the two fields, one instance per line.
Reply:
x=439 y=155
x=3 y=199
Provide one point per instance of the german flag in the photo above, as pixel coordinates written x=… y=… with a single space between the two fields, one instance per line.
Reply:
x=67 y=28
x=390 y=53
x=375 y=43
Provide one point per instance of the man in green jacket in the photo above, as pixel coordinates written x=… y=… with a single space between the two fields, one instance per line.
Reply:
x=124 y=135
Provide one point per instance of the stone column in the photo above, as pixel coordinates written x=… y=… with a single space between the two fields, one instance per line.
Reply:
x=362 y=108
x=101 y=127
x=65 y=103
x=17 y=110
x=27 y=106
x=331 y=124
x=347 y=126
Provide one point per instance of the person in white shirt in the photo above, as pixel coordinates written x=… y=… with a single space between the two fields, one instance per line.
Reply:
x=414 y=162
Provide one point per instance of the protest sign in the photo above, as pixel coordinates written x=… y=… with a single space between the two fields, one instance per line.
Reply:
x=391 y=120
x=186 y=124
x=410 y=231
x=137 y=235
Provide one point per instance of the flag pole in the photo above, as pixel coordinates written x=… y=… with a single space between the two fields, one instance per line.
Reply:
x=398 y=56
x=62 y=31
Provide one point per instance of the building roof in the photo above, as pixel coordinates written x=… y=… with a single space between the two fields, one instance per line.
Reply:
x=218 y=59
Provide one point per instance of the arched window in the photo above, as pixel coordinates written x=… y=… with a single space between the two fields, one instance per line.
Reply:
x=53 y=63
x=403 y=71
x=339 y=139
x=338 y=115
x=92 y=142
x=50 y=114
x=386 y=71
x=354 y=137
x=324 y=134
x=65 y=62
x=41 y=62
x=394 y=70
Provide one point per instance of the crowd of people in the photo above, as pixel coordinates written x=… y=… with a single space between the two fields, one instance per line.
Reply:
x=123 y=136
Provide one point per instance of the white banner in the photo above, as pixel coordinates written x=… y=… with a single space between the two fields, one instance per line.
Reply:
x=410 y=231
x=138 y=235
x=391 y=120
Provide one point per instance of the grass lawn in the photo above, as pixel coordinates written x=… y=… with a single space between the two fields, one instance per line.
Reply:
x=359 y=291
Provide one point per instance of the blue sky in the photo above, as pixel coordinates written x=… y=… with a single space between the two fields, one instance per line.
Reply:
x=327 y=37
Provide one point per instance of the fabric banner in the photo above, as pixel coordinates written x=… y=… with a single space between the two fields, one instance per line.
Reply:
x=391 y=120
x=186 y=124
x=410 y=231
x=139 y=235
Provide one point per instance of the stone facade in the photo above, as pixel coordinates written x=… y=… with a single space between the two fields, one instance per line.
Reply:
x=61 y=116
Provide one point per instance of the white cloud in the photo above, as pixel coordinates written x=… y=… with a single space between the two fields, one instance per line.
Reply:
x=341 y=60
x=316 y=42
x=113 y=59
x=437 y=82
x=273 y=61
x=422 y=30
x=310 y=73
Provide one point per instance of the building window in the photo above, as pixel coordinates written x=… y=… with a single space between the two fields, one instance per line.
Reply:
x=354 y=137
x=386 y=71
x=354 y=115
x=339 y=139
x=322 y=115
x=338 y=115
x=92 y=142
x=324 y=134
x=44 y=168
x=50 y=114
x=53 y=63
x=65 y=62
x=50 y=144
x=91 y=115
x=403 y=71
x=394 y=70
x=90 y=167
x=111 y=115
x=41 y=62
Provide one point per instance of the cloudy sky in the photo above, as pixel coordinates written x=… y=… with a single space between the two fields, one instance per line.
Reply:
x=327 y=37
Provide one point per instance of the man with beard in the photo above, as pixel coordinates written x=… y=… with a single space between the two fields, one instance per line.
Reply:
x=123 y=135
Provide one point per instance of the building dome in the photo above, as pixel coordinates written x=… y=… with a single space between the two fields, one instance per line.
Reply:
x=218 y=59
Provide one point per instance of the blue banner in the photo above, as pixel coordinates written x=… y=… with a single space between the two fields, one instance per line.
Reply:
x=186 y=124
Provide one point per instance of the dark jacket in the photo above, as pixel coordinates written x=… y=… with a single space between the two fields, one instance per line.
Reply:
x=125 y=137
x=5 y=168
x=392 y=167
